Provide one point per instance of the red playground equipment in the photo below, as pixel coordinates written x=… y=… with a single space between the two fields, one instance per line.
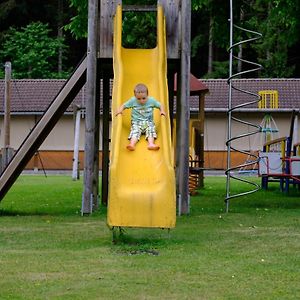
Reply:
x=278 y=163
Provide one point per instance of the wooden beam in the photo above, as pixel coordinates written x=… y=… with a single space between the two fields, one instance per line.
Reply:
x=105 y=143
x=88 y=196
x=7 y=101
x=170 y=77
x=139 y=8
x=200 y=133
x=173 y=26
x=75 y=169
x=97 y=140
x=184 y=110
x=107 y=12
x=43 y=127
x=7 y=152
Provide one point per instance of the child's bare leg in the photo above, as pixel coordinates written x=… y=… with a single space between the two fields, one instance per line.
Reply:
x=132 y=143
x=151 y=144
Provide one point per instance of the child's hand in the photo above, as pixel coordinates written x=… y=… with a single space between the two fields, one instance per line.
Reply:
x=162 y=110
x=120 y=110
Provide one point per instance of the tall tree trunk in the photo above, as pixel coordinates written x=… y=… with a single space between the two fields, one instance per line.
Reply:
x=60 y=12
x=240 y=53
x=268 y=54
x=6 y=7
x=210 y=46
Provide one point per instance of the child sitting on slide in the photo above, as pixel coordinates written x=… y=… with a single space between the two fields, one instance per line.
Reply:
x=142 y=122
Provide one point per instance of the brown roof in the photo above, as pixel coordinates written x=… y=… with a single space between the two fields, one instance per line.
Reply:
x=288 y=92
x=196 y=85
x=34 y=96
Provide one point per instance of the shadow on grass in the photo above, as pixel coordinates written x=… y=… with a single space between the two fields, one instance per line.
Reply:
x=139 y=241
x=16 y=213
x=21 y=213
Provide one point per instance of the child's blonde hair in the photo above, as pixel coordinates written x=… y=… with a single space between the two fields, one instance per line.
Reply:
x=141 y=88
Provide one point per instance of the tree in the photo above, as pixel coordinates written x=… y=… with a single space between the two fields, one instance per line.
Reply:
x=78 y=23
x=278 y=21
x=32 y=51
x=212 y=36
x=6 y=7
x=139 y=29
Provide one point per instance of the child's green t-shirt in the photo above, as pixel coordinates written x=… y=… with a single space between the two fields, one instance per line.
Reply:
x=142 y=112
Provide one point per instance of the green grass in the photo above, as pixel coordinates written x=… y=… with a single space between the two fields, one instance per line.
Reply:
x=48 y=251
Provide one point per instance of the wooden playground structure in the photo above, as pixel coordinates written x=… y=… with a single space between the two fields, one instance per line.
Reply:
x=98 y=64
x=280 y=160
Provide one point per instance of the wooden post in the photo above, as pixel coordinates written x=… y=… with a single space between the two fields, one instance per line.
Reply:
x=7 y=151
x=88 y=196
x=201 y=142
x=35 y=162
x=7 y=104
x=105 y=143
x=75 y=171
x=96 y=148
x=107 y=12
x=183 y=115
x=171 y=73
x=171 y=11
x=97 y=120
x=295 y=136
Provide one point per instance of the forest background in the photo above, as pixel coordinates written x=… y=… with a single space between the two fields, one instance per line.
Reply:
x=47 y=39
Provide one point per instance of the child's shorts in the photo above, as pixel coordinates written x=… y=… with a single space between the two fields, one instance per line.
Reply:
x=144 y=127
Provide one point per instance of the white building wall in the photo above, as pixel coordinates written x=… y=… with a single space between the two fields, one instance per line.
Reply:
x=60 y=138
x=215 y=130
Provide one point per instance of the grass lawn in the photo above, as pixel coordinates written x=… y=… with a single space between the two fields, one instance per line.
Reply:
x=48 y=251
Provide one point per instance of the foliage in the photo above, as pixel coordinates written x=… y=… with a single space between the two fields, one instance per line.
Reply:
x=32 y=51
x=278 y=21
x=78 y=23
x=49 y=250
x=201 y=4
x=220 y=70
x=214 y=14
x=139 y=29
x=5 y=7
x=197 y=42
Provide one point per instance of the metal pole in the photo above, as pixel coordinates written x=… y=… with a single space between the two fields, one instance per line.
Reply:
x=253 y=67
x=229 y=109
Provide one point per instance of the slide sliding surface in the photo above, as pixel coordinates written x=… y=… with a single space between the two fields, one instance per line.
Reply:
x=141 y=182
x=41 y=130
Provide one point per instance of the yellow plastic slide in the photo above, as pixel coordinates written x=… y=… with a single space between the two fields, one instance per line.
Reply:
x=141 y=182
